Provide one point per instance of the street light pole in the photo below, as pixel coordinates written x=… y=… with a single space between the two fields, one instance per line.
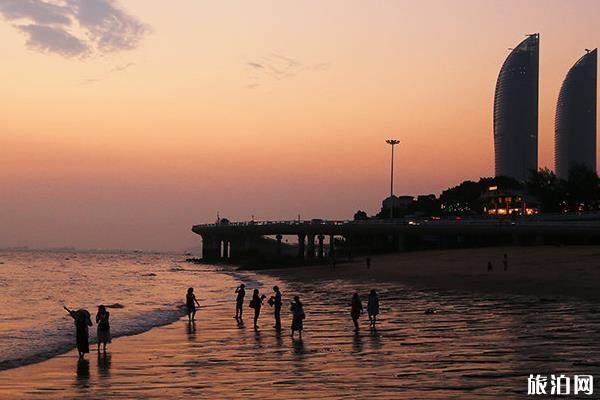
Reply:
x=392 y=142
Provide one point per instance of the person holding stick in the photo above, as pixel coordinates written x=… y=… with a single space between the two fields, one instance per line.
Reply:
x=82 y=321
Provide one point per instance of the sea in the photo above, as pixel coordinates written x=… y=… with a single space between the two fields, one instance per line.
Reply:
x=428 y=344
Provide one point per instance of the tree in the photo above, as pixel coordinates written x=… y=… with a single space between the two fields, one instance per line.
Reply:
x=360 y=215
x=466 y=197
x=547 y=188
x=461 y=199
x=582 y=188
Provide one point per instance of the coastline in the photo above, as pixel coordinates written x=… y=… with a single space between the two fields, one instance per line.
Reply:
x=217 y=358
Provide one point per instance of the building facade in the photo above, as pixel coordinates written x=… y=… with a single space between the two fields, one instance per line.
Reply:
x=516 y=111
x=575 y=121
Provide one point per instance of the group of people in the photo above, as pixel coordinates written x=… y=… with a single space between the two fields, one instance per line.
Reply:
x=83 y=321
x=275 y=301
x=296 y=308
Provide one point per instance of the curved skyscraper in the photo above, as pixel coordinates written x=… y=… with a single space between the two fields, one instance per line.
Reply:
x=575 y=123
x=516 y=111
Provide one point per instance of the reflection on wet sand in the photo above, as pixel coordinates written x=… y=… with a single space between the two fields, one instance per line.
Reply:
x=104 y=361
x=82 y=380
x=191 y=330
x=472 y=347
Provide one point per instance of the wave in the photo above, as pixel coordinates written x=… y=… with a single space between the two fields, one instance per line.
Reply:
x=58 y=337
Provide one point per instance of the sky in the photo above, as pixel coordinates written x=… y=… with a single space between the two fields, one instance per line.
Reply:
x=125 y=122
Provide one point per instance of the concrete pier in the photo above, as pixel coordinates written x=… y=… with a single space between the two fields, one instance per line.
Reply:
x=264 y=239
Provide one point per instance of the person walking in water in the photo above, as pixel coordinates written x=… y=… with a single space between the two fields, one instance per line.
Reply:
x=190 y=303
x=275 y=302
x=239 y=301
x=103 y=327
x=82 y=320
x=356 y=310
x=373 y=307
x=256 y=304
x=298 y=316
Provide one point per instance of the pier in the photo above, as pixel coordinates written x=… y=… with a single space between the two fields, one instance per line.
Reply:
x=316 y=239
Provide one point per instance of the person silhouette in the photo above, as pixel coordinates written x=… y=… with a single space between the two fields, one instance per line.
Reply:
x=191 y=302
x=298 y=316
x=368 y=262
x=239 y=301
x=356 y=310
x=103 y=327
x=489 y=266
x=275 y=302
x=82 y=321
x=373 y=307
x=256 y=304
x=505 y=261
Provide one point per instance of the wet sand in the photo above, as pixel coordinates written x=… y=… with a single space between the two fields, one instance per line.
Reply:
x=542 y=271
x=479 y=344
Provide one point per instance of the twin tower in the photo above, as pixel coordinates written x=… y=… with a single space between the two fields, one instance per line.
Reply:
x=516 y=113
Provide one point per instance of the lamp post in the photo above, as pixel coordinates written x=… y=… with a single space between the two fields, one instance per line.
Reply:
x=392 y=142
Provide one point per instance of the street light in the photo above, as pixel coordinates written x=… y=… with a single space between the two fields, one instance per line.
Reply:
x=392 y=142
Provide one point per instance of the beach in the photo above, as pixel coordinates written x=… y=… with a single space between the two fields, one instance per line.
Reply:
x=542 y=271
x=479 y=343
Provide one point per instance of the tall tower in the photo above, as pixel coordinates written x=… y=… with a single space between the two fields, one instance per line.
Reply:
x=516 y=111
x=575 y=122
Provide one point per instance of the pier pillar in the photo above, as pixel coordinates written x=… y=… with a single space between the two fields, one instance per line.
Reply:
x=320 y=251
x=233 y=248
x=225 y=249
x=279 y=237
x=210 y=248
x=310 y=248
x=331 y=245
x=301 y=238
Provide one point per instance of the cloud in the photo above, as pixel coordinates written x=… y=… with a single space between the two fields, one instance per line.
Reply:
x=256 y=65
x=53 y=40
x=75 y=28
x=276 y=66
x=107 y=74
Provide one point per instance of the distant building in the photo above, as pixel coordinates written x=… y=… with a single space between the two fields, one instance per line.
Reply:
x=397 y=202
x=575 y=123
x=516 y=111
x=509 y=202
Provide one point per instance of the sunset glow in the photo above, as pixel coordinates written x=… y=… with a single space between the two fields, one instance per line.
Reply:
x=271 y=109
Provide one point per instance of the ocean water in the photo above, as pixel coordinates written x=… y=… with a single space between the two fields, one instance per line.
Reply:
x=474 y=346
x=142 y=291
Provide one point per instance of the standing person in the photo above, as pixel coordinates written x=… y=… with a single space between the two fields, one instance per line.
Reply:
x=190 y=303
x=239 y=301
x=103 y=327
x=256 y=304
x=298 y=316
x=489 y=266
x=275 y=301
x=505 y=261
x=373 y=307
x=368 y=261
x=356 y=310
x=82 y=320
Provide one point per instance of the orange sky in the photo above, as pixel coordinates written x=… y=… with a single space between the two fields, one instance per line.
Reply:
x=272 y=108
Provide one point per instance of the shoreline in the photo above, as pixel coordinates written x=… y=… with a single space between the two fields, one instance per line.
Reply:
x=219 y=358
